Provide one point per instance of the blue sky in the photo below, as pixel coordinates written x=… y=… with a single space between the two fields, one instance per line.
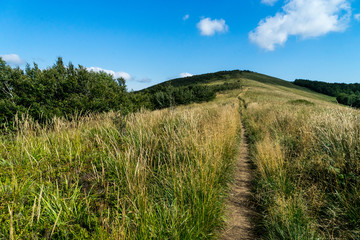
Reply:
x=148 y=42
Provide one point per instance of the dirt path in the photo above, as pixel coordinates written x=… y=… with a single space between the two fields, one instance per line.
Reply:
x=239 y=207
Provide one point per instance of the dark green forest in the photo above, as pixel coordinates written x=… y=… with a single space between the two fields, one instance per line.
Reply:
x=347 y=94
x=167 y=95
x=60 y=90
x=68 y=91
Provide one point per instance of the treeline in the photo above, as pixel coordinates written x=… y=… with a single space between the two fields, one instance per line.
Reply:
x=226 y=86
x=166 y=95
x=169 y=96
x=58 y=91
x=347 y=94
x=204 y=78
x=65 y=91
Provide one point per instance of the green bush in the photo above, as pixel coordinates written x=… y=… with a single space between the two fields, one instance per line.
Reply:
x=169 y=96
x=58 y=91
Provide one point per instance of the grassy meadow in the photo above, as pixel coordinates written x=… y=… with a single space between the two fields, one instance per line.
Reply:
x=165 y=174
x=306 y=151
x=149 y=175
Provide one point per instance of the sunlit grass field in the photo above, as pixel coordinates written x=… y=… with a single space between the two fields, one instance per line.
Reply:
x=151 y=175
x=165 y=174
x=306 y=151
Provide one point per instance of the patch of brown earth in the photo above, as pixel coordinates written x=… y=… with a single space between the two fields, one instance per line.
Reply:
x=240 y=213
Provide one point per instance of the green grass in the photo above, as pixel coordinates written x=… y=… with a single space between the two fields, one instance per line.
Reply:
x=164 y=174
x=151 y=175
x=306 y=152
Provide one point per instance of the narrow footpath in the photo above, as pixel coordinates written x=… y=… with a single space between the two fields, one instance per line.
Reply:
x=240 y=211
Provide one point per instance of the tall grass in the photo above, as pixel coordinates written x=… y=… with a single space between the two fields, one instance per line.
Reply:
x=151 y=175
x=307 y=158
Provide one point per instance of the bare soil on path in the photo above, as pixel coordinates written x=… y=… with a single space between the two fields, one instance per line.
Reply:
x=240 y=209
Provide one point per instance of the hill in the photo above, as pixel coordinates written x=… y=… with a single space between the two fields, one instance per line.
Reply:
x=221 y=77
x=202 y=88
x=165 y=174
x=305 y=149
x=227 y=80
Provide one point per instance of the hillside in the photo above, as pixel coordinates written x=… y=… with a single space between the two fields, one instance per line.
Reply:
x=306 y=152
x=221 y=77
x=165 y=174
x=305 y=149
x=231 y=77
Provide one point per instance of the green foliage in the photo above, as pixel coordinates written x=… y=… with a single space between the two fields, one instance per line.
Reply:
x=349 y=99
x=139 y=100
x=182 y=91
x=168 y=96
x=347 y=94
x=226 y=86
x=65 y=91
x=152 y=175
x=200 y=79
x=58 y=91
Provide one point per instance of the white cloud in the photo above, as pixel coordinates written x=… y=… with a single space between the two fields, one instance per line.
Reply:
x=304 y=18
x=12 y=59
x=186 y=74
x=186 y=17
x=116 y=75
x=209 y=27
x=269 y=2
x=143 y=80
x=357 y=17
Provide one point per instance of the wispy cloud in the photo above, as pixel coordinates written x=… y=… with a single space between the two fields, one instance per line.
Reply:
x=304 y=18
x=357 y=17
x=185 y=74
x=123 y=75
x=186 y=17
x=143 y=80
x=269 y=2
x=208 y=27
x=12 y=59
x=116 y=75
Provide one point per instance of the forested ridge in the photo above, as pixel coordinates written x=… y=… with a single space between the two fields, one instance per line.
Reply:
x=347 y=94
x=68 y=91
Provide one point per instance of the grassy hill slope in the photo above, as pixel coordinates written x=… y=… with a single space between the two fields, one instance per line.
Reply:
x=306 y=152
x=150 y=175
x=164 y=174
x=222 y=77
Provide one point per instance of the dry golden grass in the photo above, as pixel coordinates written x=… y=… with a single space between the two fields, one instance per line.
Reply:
x=161 y=174
x=307 y=154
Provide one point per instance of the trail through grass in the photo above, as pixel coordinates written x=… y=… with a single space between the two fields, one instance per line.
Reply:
x=240 y=207
x=151 y=175
x=307 y=155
